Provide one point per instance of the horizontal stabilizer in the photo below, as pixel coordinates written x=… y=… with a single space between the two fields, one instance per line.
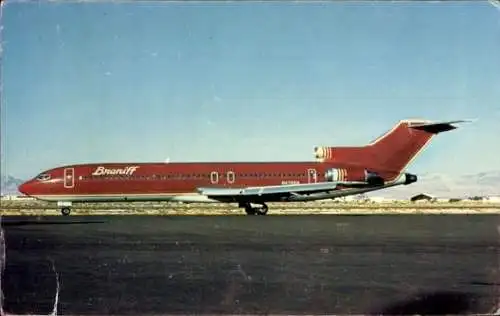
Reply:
x=437 y=127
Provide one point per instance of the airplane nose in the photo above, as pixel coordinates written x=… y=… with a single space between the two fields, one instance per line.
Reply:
x=24 y=188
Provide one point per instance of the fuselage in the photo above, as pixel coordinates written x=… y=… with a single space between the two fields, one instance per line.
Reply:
x=178 y=181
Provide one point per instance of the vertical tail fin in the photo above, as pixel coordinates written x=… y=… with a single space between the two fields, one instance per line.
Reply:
x=394 y=150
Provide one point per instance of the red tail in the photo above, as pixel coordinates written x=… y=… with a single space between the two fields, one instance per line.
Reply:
x=393 y=151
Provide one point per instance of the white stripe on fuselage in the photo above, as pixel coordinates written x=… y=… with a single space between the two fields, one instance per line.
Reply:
x=180 y=197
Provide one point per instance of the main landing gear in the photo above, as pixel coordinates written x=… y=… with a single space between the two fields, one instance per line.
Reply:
x=250 y=210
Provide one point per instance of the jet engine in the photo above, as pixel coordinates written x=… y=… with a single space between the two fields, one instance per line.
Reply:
x=372 y=178
x=332 y=175
x=410 y=178
x=320 y=153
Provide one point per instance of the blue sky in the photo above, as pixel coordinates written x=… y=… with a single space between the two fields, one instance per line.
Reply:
x=87 y=82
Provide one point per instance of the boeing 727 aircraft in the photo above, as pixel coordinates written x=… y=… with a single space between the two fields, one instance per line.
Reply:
x=339 y=171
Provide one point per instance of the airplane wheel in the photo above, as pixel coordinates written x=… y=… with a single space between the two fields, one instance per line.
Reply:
x=262 y=210
x=65 y=211
x=257 y=210
x=250 y=211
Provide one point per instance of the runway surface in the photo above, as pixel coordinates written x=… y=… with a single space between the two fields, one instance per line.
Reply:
x=402 y=264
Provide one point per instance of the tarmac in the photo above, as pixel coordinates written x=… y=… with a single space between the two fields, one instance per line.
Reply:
x=334 y=264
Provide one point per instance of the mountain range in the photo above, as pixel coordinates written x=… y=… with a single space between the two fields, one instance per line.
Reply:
x=448 y=186
x=438 y=185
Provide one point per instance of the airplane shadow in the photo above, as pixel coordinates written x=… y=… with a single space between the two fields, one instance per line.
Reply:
x=435 y=303
x=41 y=223
x=485 y=283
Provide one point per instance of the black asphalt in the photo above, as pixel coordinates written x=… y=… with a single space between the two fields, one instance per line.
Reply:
x=418 y=264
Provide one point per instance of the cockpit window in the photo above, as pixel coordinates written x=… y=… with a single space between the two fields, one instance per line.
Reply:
x=43 y=177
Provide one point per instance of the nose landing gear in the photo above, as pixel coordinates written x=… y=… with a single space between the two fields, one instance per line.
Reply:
x=65 y=207
x=65 y=211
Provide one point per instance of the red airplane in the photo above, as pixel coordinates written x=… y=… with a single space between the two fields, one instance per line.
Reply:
x=338 y=171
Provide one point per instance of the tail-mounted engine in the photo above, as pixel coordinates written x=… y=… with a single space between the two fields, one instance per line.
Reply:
x=372 y=178
x=333 y=175
x=356 y=176
x=320 y=153
x=410 y=178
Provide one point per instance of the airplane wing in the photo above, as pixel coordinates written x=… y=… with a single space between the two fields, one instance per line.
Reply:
x=271 y=193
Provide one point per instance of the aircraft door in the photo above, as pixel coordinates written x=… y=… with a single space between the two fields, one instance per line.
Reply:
x=69 y=178
x=312 y=176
